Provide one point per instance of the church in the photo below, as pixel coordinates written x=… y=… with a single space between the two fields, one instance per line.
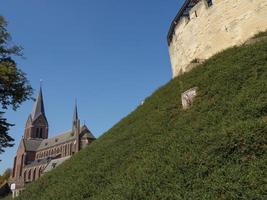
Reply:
x=37 y=154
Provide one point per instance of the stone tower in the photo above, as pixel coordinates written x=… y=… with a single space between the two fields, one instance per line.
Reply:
x=203 y=28
x=37 y=125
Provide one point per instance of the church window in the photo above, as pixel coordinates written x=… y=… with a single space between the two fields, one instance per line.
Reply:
x=21 y=165
x=65 y=150
x=40 y=171
x=70 y=149
x=29 y=175
x=15 y=164
x=41 y=133
x=34 y=171
x=25 y=175
x=37 y=132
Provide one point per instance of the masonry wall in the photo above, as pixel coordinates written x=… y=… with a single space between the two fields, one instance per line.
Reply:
x=211 y=29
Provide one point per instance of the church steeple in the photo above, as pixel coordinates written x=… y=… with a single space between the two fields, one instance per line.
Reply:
x=75 y=113
x=75 y=119
x=38 y=108
x=37 y=125
x=76 y=128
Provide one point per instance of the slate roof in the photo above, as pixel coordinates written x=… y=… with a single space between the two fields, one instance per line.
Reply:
x=37 y=144
x=32 y=145
x=64 y=137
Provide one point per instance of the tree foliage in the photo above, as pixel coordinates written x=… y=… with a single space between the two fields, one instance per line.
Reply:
x=14 y=86
x=4 y=177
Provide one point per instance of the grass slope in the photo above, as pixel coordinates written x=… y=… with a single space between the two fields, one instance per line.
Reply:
x=214 y=150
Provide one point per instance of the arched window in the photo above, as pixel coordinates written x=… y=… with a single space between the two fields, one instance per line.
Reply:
x=37 y=132
x=41 y=133
x=65 y=150
x=39 y=172
x=34 y=171
x=21 y=165
x=25 y=175
x=29 y=175
x=70 y=148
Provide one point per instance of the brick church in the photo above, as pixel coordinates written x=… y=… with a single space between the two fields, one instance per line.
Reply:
x=38 y=154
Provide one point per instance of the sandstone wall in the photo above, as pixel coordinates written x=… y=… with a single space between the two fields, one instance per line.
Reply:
x=211 y=29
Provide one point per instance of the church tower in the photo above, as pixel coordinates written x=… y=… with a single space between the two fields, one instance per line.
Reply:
x=76 y=128
x=37 y=125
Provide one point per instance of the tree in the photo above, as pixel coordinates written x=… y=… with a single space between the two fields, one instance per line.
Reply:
x=14 y=86
x=5 y=176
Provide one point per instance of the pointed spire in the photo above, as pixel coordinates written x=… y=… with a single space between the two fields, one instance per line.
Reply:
x=75 y=113
x=38 y=107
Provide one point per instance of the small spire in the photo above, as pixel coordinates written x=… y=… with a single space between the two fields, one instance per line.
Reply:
x=38 y=107
x=75 y=113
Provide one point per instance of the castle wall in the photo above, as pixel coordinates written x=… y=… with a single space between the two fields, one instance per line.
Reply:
x=211 y=29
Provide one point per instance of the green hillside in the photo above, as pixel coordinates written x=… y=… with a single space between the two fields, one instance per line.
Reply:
x=214 y=150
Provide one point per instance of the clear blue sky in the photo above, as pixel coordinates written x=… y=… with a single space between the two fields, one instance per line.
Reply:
x=109 y=54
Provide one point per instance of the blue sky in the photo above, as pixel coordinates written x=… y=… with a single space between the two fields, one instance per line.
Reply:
x=109 y=54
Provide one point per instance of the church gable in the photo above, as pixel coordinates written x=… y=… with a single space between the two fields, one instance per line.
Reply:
x=40 y=121
x=86 y=133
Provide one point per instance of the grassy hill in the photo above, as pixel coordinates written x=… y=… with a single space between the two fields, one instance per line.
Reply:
x=214 y=150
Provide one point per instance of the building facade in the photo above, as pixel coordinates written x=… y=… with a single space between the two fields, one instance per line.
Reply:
x=38 y=154
x=203 y=28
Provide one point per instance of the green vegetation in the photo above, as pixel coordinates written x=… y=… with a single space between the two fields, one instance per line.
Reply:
x=4 y=188
x=5 y=176
x=14 y=86
x=214 y=150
